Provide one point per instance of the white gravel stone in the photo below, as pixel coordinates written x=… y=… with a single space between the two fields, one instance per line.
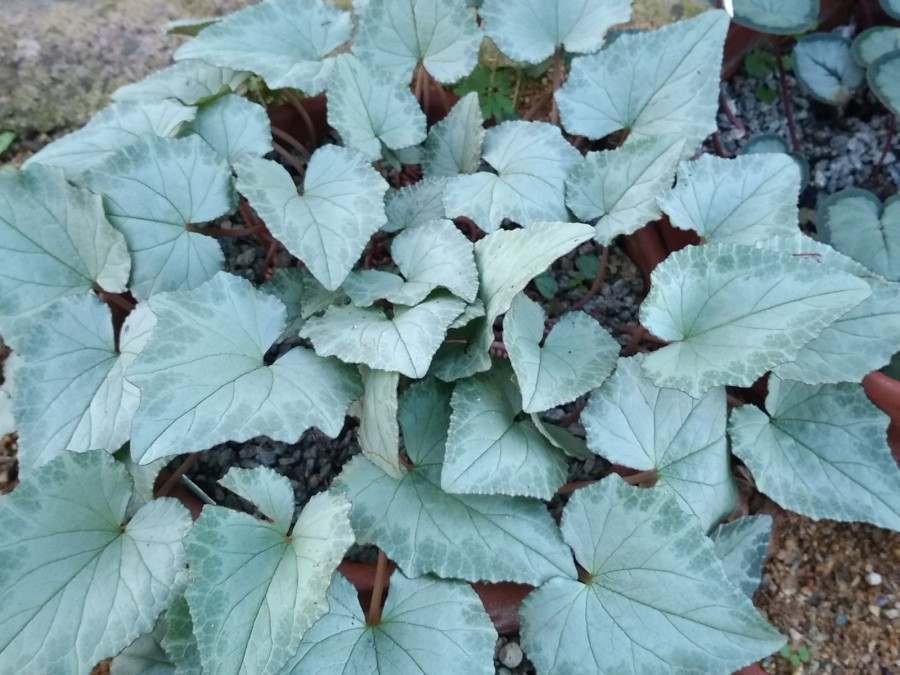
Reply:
x=510 y=655
x=873 y=579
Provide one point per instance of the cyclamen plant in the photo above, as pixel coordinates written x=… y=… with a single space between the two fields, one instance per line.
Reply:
x=132 y=346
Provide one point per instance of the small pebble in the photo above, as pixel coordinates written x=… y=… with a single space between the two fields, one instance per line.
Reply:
x=510 y=655
x=840 y=619
x=892 y=613
x=873 y=579
x=875 y=610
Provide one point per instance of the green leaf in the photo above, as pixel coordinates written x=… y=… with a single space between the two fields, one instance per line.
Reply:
x=145 y=655
x=454 y=144
x=440 y=34
x=233 y=126
x=379 y=433
x=824 y=65
x=415 y=205
x=632 y=422
x=617 y=188
x=532 y=161
x=740 y=201
x=874 y=43
x=439 y=255
x=774 y=144
x=577 y=355
x=179 y=641
x=203 y=373
x=857 y=224
x=427 y=625
x=371 y=108
x=405 y=342
x=532 y=30
x=656 y=591
x=188 y=82
x=676 y=92
x=74 y=570
x=71 y=393
x=286 y=42
x=821 y=451
x=882 y=76
x=546 y=285
x=366 y=287
x=777 y=17
x=54 y=241
x=152 y=191
x=112 y=129
x=742 y=546
x=491 y=452
x=734 y=312
x=427 y=531
x=329 y=225
x=258 y=585
x=6 y=140
x=892 y=7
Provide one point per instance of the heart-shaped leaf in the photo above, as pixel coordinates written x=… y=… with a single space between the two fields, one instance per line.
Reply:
x=329 y=225
x=440 y=34
x=532 y=161
x=824 y=65
x=490 y=451
x=892 y=7
x=110 y=130
x=71 y=393
x=577 y=355
x=69 y=554
x=733 y=312
x=655 y=589
x=188 y=82
x=454 y=144
x=777 y=17
x=372 y=109
x=439 y=255
x=286 y=42
x=415 y=205
x=873 y=43
x=54 y=241
x=427 y=625
x=255 y=628
x=632 y=422
x=179 y=642
x=617 y=189
x=675 y=93
x=742 y=546
x=405 y=342
x=234 y=126
x=532 y=30
x=821 y=451
x=857 y=224
x=428 y=531
x=882 y=76
x=379 y=433
x=204 y=369
x=153 y=192
x=742 y=200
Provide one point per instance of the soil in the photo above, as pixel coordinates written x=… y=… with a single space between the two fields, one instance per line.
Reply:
x=833 y=589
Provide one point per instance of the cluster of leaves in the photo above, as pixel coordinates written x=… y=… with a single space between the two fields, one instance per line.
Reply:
x=456 y=459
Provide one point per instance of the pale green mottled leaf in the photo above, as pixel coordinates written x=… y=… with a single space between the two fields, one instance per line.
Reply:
x=489 y=451
x=255 y=627
x=365 y=287
x=658 y=599
x=67 y=553
x=874 y=43
x=329 y=225
x=892 y=7
x=145 y=655
x=405 y=343
x=532 y=161
x=632 y=422
x=234 y=126
x=152 y=191
x=777 y=17
x=440 y=34
x=882 y=75
x=179 y=641
x=379 y=432
x=532 y=30
x=425 y=530
x=617 y=189
x=70 y=388
x=821 y=451
x=188 y=82
x=577 y=355
x=112 y=129
x=824 y=65
x=454 y=144
x=662 y=82
x=286 y=42
x=741 y=200
x=742 y=546
x=734 y=312
x=427 y=626
x=269 y=491
x=204 y=369
x=54 y=241
x=414 y=205
x=370 y=108
x=437 y=254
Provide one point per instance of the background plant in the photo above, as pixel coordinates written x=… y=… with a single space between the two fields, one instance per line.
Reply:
x=128 y=334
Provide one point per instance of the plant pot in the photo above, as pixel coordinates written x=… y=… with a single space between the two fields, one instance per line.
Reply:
x=884 y=391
